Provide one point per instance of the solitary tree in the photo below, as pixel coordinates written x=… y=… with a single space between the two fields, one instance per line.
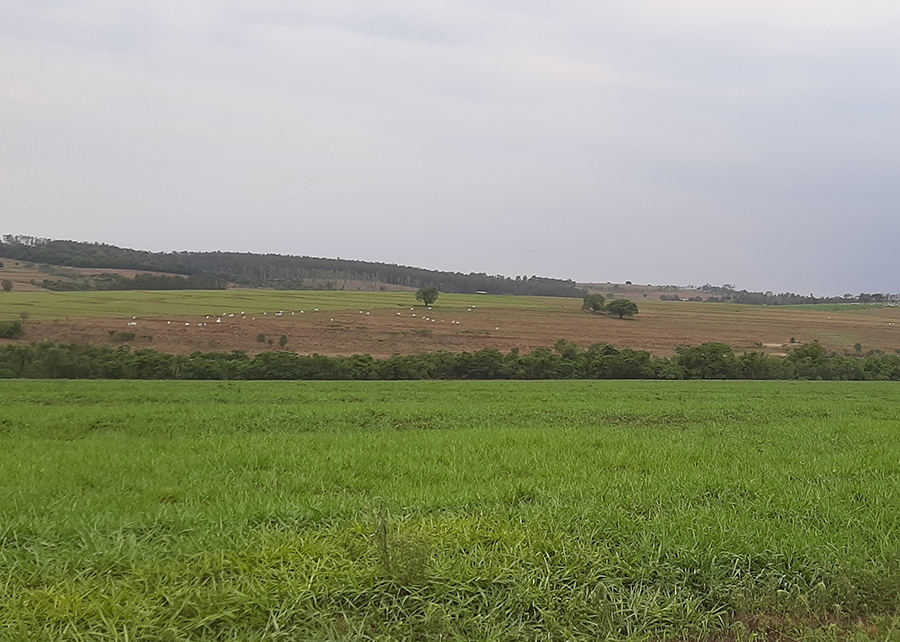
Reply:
x=622 y=307
x=282 y=340
x=427 y=295
x=7 y=285
x=594 y=303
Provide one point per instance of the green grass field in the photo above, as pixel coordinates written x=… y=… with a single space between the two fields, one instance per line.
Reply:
x=161 y=304
x=449 y=510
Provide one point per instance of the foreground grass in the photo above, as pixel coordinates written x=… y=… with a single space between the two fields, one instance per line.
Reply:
x=498 y=510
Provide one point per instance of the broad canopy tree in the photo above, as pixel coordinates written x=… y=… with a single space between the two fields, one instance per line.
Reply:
x=594 y=303
x=427 y=295
x=622 y=307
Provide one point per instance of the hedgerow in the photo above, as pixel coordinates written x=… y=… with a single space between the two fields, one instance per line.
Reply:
x=566 y=360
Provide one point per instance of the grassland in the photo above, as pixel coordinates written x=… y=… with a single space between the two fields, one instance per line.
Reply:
x=381 y=323
x=437 y=511
x=124 y=305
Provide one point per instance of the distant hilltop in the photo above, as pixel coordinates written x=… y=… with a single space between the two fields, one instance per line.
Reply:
x=729 y=294
x=77 y=265
x=265 y=270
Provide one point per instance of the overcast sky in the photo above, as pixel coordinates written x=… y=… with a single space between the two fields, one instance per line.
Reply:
x=751 y=142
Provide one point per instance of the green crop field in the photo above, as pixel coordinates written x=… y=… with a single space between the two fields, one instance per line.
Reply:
x=449 y=510
x=161 y=304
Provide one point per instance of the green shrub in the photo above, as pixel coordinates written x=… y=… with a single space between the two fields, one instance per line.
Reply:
x=11 y=329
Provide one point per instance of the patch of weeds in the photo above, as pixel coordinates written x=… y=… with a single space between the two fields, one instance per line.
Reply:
x=169 y=496
x=11 y=329
x=412 y=423
x=521 y=495
x=402 y=557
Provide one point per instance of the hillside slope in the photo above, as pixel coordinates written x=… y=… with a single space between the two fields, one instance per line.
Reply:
x=275 y=270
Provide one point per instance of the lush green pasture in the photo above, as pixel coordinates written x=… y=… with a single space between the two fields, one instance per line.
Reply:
x=155 y=304
x=448 y=510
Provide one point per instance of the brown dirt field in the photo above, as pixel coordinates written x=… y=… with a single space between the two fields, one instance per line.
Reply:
x=20 y=275
x=659 y=328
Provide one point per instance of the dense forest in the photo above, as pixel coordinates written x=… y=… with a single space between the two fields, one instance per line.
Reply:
x=272 y=270
x=566 y=360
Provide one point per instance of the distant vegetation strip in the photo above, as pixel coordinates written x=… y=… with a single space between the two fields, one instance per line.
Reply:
x=117 y=282
x=566 y=360
x=275 y=270
x=728 y=294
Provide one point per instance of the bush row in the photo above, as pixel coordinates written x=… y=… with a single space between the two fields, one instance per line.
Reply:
x=566 y=360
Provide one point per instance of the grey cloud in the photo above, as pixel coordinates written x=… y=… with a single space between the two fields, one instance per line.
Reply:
x=77 y=25
x=744 y=142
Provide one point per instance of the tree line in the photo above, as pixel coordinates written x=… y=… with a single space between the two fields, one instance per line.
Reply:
x=728 y=294
x=565 y=360
x=275 y=270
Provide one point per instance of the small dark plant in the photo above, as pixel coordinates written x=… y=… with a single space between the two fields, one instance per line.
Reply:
x=402 y=558
x=11 y=329
x=427 y=295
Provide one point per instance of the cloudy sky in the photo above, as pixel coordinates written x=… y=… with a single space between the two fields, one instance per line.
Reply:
x=752 y=142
